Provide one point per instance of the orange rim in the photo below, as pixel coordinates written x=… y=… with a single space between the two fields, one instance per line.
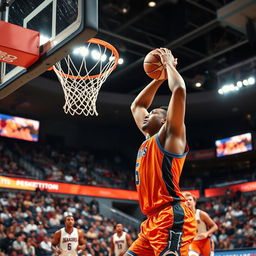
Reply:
x=93 y=41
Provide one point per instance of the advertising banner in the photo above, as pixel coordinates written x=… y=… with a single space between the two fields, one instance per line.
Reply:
x=243 y=187
x=73 y=189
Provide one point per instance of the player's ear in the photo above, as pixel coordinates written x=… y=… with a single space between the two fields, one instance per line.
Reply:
x=163 y=120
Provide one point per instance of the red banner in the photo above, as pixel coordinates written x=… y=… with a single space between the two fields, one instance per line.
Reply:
x=244 y=187
x=65 y=188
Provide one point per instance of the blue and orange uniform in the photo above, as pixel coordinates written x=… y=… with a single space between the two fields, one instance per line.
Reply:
x=170 y=225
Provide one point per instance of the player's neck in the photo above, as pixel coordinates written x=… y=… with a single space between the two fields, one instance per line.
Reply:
x=69 y=229
x=119 y=233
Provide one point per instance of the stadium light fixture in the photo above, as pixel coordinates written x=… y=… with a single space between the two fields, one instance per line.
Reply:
x=236 y=86
x=120 y=61
x=152 y=4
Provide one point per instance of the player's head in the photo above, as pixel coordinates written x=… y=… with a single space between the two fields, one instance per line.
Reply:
x=119 y=227
x=69 y=220
x=190 y=200
x=154 y=120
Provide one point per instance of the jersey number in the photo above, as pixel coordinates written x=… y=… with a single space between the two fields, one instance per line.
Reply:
x=69 y=246
x=119 y=246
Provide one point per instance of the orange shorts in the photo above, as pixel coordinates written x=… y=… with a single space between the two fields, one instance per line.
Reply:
x=200 y=247
x=167 y=232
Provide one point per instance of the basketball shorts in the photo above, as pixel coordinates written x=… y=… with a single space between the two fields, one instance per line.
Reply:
x=166 y=232
x=200 y=247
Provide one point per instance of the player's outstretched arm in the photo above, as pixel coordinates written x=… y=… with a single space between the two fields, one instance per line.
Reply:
x=173 y=134
x=55 y=242
x=143 y=101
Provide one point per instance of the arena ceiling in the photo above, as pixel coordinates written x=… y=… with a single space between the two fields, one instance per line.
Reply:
x=199 y=35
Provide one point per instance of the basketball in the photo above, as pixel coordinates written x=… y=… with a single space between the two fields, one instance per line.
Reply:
x=154 y=67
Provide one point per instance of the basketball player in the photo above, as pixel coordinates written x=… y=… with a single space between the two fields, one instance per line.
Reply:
x=170 y=225
x=120 y=241
x=68 y=240
x=202 y=244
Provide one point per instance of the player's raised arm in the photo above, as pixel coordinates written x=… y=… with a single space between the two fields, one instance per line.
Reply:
x=174 y=138
x=143 y=101
x=55 y=242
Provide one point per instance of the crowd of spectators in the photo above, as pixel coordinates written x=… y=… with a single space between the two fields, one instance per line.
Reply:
x=68 y=165
x=102 y=168
x=235 y=215
x=8 y=165
x=29 y=219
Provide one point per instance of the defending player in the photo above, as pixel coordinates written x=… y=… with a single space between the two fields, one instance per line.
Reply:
x=120 y=241
x=68 y=240
x=170 y=225
x=202 y=244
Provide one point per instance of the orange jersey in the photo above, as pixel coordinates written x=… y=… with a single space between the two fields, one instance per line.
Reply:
x=157 y=176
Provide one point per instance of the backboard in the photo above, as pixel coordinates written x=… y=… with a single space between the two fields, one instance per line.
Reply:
x=63 y=24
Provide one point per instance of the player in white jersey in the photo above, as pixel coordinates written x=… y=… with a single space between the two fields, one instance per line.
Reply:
x=201 y=245
x=120 y=241
x=69 y=240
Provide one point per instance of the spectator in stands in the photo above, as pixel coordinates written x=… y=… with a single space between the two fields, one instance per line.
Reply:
x=19 y=245
x=7 y=242
x=45 y=246
x=29 y=249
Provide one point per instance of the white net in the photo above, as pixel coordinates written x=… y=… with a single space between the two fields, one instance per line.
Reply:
x=82 y=74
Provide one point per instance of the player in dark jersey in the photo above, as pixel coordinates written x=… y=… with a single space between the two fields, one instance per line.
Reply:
x=171 y=225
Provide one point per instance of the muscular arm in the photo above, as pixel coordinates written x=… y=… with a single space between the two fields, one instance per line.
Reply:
x=143 y=101
x=55 y=242
x=173 y=134
x=211 y=225
x=81 y=241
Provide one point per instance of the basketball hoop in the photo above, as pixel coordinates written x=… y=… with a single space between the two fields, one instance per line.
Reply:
x=81 y=77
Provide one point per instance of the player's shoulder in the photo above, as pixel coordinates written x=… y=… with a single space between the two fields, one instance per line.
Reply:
x=57 y=234
x=127 y=235
x=79 y=231
x=58 y=231
x=203 y=214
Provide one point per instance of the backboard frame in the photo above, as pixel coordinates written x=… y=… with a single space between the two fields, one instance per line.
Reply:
x=85 y=27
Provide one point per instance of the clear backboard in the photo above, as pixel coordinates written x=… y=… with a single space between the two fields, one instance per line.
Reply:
x=63 y=25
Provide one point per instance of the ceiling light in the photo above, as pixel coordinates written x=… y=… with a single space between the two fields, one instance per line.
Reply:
x=152 y=4
x=245 y=82
x=83 y=51
x=111 y=58
x=124 y=10
x=120 y=61
x=97 y=56
x=239 y=84
x=251 y=80
x=220 y=91
x=198 y=85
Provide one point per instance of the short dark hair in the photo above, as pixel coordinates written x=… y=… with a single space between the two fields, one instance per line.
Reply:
x=164 y=108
